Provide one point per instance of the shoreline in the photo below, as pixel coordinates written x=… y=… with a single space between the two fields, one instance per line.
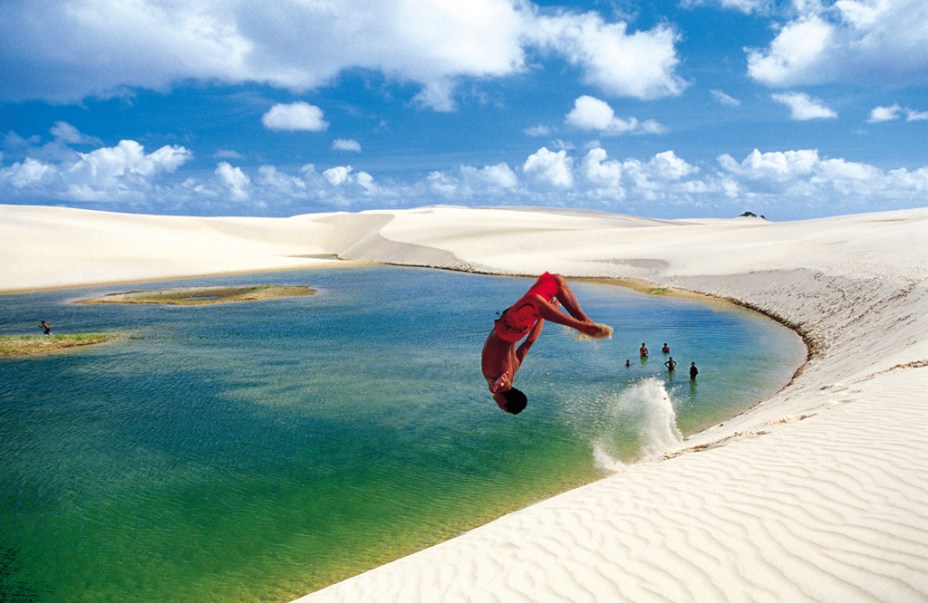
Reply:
x=768 y=502
x=339 y=264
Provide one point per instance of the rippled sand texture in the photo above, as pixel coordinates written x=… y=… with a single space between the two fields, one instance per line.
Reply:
x=830 y=509
x=817 y=494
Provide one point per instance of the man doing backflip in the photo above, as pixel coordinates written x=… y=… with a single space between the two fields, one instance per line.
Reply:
x=501 y=358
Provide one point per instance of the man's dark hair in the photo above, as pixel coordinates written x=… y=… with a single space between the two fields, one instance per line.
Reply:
x=516 y=401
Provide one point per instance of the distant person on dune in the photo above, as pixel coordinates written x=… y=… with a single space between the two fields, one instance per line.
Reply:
x=501 y=358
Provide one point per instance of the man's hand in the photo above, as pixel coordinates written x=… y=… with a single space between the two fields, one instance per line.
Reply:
x=500 y=382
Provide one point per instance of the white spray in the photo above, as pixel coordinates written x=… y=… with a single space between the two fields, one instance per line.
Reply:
x=646 y=405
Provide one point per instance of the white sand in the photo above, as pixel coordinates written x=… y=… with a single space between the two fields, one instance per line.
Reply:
x=820 y=493
x=58 y=247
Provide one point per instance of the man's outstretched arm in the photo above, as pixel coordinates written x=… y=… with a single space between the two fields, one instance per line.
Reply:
x=532 y=337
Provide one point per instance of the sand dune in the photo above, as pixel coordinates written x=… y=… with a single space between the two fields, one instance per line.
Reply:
x=817 y=494
x=60 y=247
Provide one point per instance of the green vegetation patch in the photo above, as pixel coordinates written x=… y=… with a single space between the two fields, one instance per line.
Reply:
x=660 y=291
x=31 y=345
x=198 y=296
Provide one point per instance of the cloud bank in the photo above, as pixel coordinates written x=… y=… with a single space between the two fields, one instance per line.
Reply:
x=105 y=48
x=121 y=173
x=664 y=184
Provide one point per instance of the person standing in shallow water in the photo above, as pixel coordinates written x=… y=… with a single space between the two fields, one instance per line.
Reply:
x=671 y=364
x=643 y=351
x=47 y=326
x=501 y=359
x=693 y=371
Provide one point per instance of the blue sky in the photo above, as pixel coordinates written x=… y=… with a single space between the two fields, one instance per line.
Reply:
x=688 y=108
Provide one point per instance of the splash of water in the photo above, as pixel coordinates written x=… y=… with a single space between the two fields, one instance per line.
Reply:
x=605 y=461
x=647 y=406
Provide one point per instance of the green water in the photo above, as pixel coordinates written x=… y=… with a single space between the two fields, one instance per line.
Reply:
x=257 y=452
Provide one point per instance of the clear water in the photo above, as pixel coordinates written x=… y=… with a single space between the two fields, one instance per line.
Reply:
x=257 y=452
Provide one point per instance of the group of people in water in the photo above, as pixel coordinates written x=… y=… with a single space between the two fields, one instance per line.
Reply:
x=671 y=364
x=502 y=357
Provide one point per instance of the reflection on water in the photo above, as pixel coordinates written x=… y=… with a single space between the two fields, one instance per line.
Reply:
x=255 y=452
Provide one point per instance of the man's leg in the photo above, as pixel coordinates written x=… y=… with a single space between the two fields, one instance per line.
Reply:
x=566 y=296
x=549 y=312
x=575 y=318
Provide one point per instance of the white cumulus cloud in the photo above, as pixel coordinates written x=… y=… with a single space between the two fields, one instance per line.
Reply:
x=469 y=182
x=107 y=174
x=295 y=117
x=880 y=114
x=745 y=6
x=640 y=64
x=28 y=172
x=850 y=41
x=234 y=179
x=778 y=165
x=123 y=170
x=346 y=144
x=65 y=132
x=550 y=168
x=344 y=176
x=894 y=112
x=499 y=176
x=795 y=55
x=591 y=113
x=338 y=175
x=725 y=99
x=803 y=107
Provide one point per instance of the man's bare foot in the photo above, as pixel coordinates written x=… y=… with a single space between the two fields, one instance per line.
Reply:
x=597 y=331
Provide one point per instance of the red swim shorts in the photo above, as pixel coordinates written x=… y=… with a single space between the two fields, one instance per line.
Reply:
x=519 y=318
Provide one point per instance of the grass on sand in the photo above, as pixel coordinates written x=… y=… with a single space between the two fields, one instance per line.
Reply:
x=198 y=296
x=31 y=345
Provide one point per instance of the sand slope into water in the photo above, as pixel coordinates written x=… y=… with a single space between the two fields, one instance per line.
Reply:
x=817 y=494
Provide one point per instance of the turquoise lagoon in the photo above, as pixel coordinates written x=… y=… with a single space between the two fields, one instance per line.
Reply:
x=257 y=452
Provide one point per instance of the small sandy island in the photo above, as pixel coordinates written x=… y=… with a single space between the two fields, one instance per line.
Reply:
x=14 y=346
x=199 y=296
